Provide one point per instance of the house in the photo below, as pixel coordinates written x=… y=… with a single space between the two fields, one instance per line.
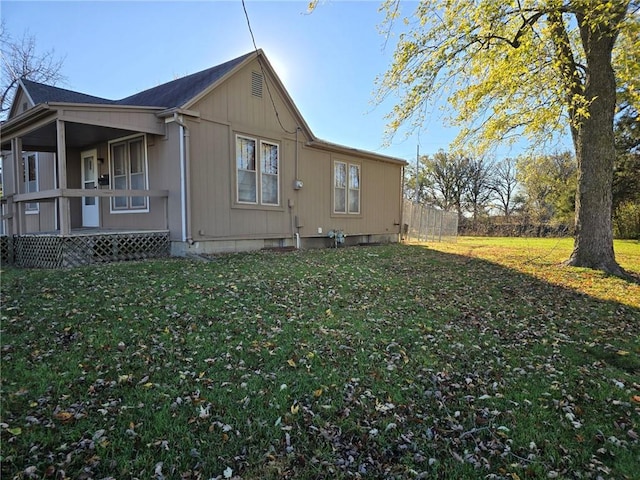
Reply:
x=220 y=160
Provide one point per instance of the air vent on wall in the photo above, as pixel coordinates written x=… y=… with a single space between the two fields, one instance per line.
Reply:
x=256 y=84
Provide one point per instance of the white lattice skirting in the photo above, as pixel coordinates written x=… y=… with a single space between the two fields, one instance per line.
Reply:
x=55 y=251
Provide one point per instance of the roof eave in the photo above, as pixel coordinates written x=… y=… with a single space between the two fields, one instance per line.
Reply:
x=109 y=106
x=33 y=114
x=169 y=112
x=336 y=148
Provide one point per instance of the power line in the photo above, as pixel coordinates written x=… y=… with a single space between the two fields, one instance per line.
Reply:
x=264 y=75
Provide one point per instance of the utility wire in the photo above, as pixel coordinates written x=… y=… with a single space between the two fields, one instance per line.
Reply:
x=264 y=75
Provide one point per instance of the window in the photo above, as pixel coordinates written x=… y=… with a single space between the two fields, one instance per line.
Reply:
x=354 y=188
x=257 y=170
x=129 y=172
x=346 y=188
x=30 y=177
x=269 y=163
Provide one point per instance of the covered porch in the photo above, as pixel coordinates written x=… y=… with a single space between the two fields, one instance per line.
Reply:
x=66 y=201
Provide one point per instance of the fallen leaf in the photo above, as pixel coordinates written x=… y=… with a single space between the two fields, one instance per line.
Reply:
x=63 y=416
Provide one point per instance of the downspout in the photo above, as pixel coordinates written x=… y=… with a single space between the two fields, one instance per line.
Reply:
x=294 y=235
x=185 y=184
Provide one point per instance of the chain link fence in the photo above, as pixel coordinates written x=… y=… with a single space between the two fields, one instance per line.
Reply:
x=424 y=223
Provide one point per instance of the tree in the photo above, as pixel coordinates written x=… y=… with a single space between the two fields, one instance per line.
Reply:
x=626 y=180
x=503 y=185
x=419 y=195
x=549 y=187
x=20 y=59
x=478 y=192
x=526 y=67
x=446 y=176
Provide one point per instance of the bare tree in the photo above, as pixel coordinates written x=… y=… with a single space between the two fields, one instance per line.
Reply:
x=504 y=183
x=478 y=186
x=446 y=179
x=21 y=59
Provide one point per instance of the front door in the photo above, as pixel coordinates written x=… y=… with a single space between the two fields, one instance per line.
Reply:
x=90 y=205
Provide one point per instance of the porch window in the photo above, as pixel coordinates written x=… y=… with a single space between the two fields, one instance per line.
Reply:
x=346 y=188
x=30 y=172
x=257 y=170
x=129 y=172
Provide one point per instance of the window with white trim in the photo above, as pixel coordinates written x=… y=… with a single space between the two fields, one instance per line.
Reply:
x=257 y=171
x=30 y=178
x=129 y=172
x=346 y=188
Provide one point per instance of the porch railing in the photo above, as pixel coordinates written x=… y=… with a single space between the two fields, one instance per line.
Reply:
x=66 y=193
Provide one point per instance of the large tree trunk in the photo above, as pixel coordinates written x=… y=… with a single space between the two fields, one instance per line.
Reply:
x=595 y=153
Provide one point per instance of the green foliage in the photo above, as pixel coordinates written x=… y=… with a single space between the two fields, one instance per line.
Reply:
x=626 y=174
x=626 y=220
x=388 y=362
x=549 y=184
x=506 y=68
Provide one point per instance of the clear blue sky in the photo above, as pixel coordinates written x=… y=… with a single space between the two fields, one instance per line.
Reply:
x=328 y=60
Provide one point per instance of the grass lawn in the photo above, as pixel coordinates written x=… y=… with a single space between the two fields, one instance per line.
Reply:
x=479 y=359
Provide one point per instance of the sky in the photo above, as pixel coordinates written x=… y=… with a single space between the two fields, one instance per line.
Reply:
x=328 y=60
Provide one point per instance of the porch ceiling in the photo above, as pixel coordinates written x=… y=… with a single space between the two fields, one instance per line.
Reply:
x=77 y=135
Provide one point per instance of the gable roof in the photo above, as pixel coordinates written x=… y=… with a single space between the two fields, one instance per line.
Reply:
x=172 y=94
x=178 y=92
x=182 y=93
x=41 y=93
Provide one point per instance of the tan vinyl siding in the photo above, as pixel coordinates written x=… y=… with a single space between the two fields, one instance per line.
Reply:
x=20 y=104
x=379 y=196
x=230 y=110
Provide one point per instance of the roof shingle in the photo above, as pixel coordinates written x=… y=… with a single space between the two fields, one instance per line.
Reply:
x=41 y=93
x=168 y=95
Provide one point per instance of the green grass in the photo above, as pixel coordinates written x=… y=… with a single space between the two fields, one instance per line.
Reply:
x=480 y=359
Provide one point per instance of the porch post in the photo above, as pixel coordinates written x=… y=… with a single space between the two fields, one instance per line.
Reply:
x=18 y=171
x=65 y=207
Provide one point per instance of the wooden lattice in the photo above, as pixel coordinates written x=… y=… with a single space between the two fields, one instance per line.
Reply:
x=6 y=251
x=54 y=251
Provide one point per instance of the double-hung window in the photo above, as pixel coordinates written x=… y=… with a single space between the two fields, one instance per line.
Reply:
x=346 y=188
x=30 y=176
x=129 y=172
x=257 y=171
